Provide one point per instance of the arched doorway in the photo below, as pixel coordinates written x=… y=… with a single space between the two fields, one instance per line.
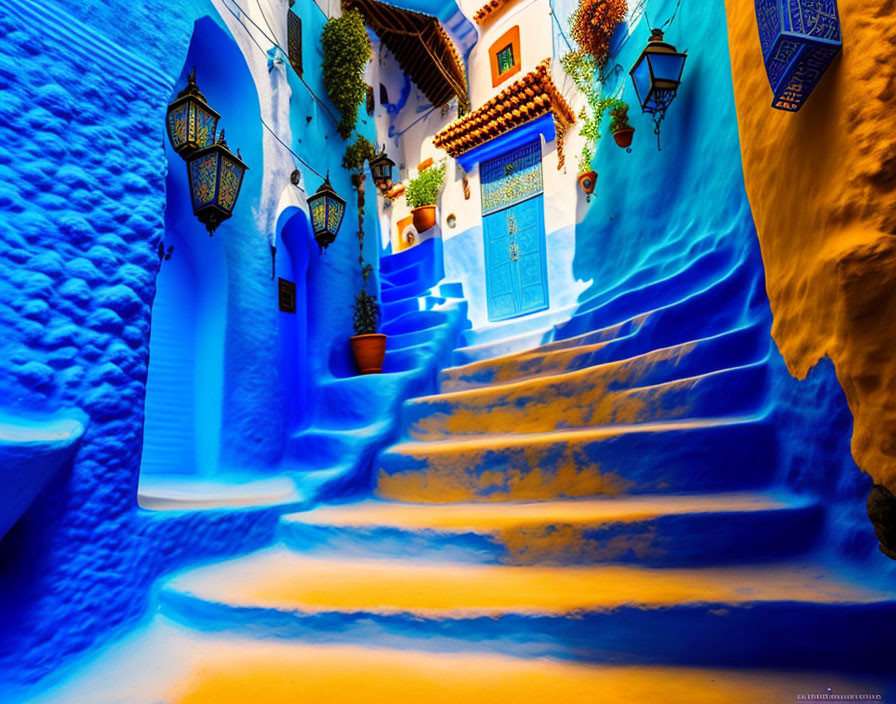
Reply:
x=293 y=256
x=191 y=312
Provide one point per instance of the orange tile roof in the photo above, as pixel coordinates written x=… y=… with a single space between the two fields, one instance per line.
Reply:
x=487 y=10
x=531 y=96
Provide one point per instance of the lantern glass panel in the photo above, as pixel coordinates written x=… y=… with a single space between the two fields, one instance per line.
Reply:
x=204 y=179
x=319 y=214
x=231 y=179
x=177 y=125
x=335 y=212
x=641 y=79
x=666 y=67
x=203 y=124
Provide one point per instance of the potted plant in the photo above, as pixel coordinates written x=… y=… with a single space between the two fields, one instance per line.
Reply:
x=368 y=346
x=622 y=131
x=422 y=194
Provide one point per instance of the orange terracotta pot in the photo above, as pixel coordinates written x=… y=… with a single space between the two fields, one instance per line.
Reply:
x=587 y=181
x=424 y=217
x=370 y=351
x=623 y=136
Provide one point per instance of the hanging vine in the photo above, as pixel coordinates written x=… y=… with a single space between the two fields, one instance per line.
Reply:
x=366 y=308
x=346 y=53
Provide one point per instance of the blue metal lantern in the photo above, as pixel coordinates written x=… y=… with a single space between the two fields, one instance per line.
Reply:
x=216 y=176
x=327 y=210
x=657 y=75
x=799 y=39
x=191 y=123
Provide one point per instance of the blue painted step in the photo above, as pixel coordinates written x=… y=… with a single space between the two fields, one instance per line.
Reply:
x=569 y=403
x=657 y=531
x=741 y=616
x=702 y=314
x=699 y=455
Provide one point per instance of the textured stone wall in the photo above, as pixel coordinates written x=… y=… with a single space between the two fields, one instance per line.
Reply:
x=83 y=198
x=822 y=187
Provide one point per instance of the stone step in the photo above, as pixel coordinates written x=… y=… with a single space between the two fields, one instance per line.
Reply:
x=697 y=455
x=749 y=615
x=411 y=289
x=170 y=663
x=719 y=376
x=501 y=339
x=650 y=530
x=706 y=313
x=423 y=253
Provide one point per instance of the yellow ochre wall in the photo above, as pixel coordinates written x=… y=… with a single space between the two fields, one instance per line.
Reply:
x=822 y=187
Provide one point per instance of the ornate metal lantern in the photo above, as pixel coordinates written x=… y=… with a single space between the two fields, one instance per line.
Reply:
x=327 y=210
x=657 y=75
x=799 y=39
x=191 y=123
x=216 y=175
x=381 y=168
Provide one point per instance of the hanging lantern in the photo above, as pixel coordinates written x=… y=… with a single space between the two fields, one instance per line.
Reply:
x=381 y=168
x=327 y=210
x=216 y=175
x=656 y=75
x=191 y=123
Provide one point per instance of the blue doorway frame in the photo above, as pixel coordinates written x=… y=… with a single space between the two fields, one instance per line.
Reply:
x=514 y=233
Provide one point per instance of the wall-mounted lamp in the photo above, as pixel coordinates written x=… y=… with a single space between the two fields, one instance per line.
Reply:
x=191 y=122
x=216 y=176
x=657 y=75
x=381 y=169
x=327 y=210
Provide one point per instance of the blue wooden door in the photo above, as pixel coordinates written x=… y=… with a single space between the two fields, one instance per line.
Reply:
x=513 y=232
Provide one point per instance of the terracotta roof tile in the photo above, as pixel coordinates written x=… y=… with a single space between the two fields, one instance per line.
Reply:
x=487 y=10
x=529 y=97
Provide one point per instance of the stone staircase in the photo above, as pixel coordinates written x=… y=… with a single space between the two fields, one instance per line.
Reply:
x=609 y=496
x=423 y=317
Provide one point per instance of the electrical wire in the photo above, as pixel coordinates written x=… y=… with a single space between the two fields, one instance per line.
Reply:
x=560 y=26
x=675 y=12
x=289 y=149
x=262 y=50
x=276 y=44
x=267 y=24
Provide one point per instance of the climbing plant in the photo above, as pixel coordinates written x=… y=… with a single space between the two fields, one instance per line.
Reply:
x=346 y=53
x=582 y=68
x=357 y=153
x=592 y=24
x=366 y=308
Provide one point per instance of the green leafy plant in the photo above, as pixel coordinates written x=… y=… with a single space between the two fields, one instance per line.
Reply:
x=618 y=115
x=346 y=53
x=367 y=309
x=424 y=190
x=357 y=153
x=582 y=68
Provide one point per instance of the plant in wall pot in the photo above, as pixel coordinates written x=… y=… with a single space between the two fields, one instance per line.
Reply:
x=368 y=346
x=622 y=131
x=423 y=194
x=582 y=68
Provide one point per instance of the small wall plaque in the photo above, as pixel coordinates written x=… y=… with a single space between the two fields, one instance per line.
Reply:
x=799 y=39
x=287 y=295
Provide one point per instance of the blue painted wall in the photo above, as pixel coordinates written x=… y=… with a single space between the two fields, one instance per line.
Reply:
x=657 y=213
x=89 y=189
